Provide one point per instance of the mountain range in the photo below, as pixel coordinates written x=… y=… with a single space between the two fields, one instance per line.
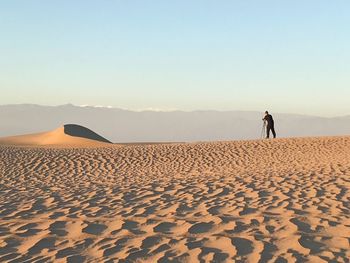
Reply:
x=119 y=125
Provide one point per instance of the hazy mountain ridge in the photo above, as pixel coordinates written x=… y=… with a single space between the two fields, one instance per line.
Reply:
x=119 y=125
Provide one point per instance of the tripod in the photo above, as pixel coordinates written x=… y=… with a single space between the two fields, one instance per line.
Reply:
x=263 y=131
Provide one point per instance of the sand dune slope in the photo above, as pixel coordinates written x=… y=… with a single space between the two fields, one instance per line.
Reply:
x=285 y=200
x=67 y=135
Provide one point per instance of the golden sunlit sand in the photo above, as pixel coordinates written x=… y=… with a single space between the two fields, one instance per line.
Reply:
x=284 y=200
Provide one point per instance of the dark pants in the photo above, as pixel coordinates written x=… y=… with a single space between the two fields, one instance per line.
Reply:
x=268 y=129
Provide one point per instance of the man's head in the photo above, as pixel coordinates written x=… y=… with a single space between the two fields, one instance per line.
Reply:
x=266 y=112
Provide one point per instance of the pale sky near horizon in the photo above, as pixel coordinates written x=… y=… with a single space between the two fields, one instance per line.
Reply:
x=285 y=56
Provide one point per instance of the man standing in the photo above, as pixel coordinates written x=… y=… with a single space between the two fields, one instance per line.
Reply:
x=270 y=125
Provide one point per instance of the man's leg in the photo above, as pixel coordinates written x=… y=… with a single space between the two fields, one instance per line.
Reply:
x=273 y=132
x=268 y=128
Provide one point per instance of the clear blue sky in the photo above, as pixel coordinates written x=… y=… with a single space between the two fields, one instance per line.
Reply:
x=286 y=56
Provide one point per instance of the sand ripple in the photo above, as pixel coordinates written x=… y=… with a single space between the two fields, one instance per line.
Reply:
x=285 y=200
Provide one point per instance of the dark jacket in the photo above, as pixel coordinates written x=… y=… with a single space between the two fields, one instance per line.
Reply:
x=268 y=118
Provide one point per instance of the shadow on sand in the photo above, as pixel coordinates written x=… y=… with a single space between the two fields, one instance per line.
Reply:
x=80 y=131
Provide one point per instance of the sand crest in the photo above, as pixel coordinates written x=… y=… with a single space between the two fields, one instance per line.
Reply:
x=283 y=200
x=67 y=135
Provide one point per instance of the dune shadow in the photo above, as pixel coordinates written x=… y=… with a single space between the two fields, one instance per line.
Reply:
x=83 y=132
x=94 y=228
x=200 y=228
x=45 y=243
x=309 y=243
x=164 y=227
x=243 y=246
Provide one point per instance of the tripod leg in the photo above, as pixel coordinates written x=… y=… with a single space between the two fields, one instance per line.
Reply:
x=262 y=135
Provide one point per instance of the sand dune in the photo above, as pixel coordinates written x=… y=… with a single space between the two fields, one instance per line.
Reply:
x=67 y=135
x=283 y=200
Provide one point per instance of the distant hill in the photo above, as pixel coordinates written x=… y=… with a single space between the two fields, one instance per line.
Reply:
x=153 y=126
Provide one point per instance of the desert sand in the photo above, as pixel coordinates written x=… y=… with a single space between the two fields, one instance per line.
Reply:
x=283 y=200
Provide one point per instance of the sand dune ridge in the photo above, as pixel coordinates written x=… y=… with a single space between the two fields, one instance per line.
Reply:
x=67 y=135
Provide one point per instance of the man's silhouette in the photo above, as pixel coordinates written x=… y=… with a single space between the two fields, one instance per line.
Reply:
x=270 y=125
